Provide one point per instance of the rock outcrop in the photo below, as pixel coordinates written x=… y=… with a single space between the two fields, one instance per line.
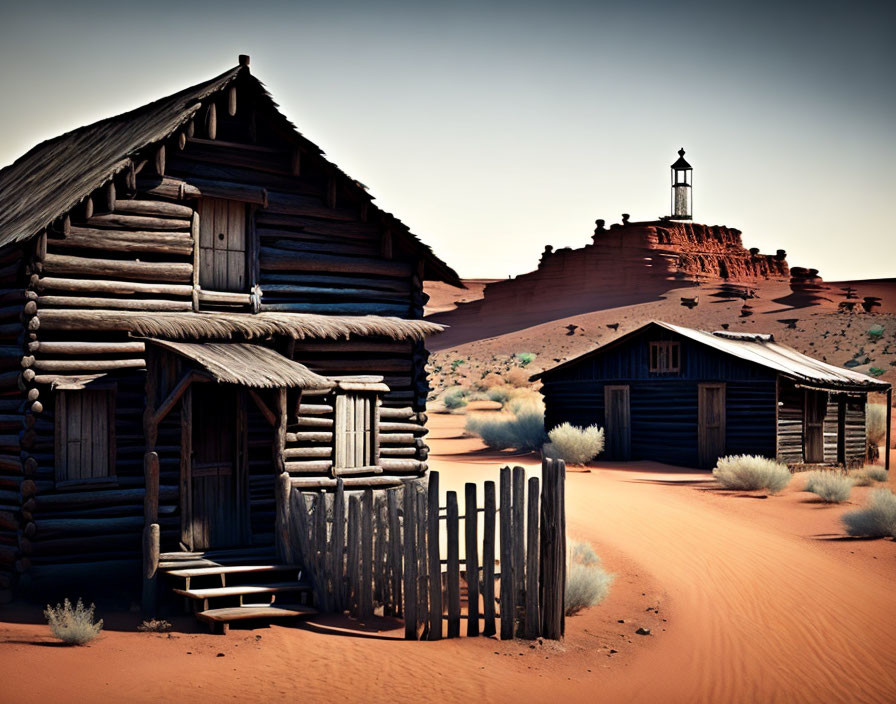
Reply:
x=626 y=264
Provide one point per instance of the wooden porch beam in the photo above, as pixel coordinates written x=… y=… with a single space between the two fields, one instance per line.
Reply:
x=178 y=391
x=263 y=407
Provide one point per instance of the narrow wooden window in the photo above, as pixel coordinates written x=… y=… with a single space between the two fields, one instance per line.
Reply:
x=222 y=245
x=354 y=430
x=85 y=435
x=665 y=357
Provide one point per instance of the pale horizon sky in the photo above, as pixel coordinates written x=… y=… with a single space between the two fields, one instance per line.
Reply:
x=494 y=128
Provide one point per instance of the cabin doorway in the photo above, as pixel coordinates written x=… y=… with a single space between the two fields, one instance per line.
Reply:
x=815 y=409
x=617 y=416
x=710 y=424
x=218 y=513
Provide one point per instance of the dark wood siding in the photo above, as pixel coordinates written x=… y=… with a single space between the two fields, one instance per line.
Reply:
x=664 y=407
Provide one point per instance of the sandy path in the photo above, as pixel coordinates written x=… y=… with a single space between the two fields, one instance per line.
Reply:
x=752 y=603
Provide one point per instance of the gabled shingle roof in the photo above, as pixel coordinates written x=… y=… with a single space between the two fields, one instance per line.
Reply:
x=758 y=349
x=56 y=175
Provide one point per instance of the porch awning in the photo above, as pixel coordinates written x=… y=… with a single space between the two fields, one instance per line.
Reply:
x=247 y=364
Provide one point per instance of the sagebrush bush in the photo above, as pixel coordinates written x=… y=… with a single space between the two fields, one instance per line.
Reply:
x=877 y=519
x=455 y=397
x=517 y=376
x=750 y=472
x=522 y=428
x=154 y=625
x=831 y=486
x=525 y=358
x=73 y=625
x=575 y=445
x=861 y=478
x=878 y=474
x=501 y=393
x=587 y=582
x=876 y=422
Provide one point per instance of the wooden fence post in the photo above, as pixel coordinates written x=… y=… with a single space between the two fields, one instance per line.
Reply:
x=423 y=615
x=395 y=572
x=507 y=601
x=453 y=566
x=488 y=561
x=471 y=559
x=561 y=539
x=519 y=549
x=365 y=605
x=337 y=548
x=320 y=548
x=380 y=563
x=553 y=550
x=284 y=544
x=533 y=618
x=151 y=555
x=435 y=565
x=302 y=528
x=354 y=555
x=410 y=562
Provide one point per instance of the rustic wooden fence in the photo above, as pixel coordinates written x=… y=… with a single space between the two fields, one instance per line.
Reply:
x=362 y=551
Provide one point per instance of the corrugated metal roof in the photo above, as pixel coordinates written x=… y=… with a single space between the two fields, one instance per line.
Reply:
x=248 y=365
x=761 y=349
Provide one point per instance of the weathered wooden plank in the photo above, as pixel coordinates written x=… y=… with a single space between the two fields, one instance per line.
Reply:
x=337 y=547
x=354 y=554
x=395 y=552
x=410 y=563
x=533 y=617
x=519 y=548
x=508 y=603
x=365 y=601
x=154 y=271
x=471 y=559
x=434 y=560
x=453 y=566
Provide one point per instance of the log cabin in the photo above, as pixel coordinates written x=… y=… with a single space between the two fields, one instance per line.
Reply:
x=195 y=301
x=686 y=397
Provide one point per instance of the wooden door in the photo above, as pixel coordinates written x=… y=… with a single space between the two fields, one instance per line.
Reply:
x=617 y=420
x=814 y=411
x=710 y=424
x=222 y=245
x=217 y=472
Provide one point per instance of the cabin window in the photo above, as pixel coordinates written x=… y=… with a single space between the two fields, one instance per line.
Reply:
x=665 y=357
x=355 y=419
x=85 y=435
x=222 y=245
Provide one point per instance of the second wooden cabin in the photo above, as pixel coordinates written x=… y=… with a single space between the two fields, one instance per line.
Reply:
x=686 y=397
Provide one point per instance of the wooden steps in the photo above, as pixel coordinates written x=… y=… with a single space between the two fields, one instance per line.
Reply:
x=216 y=585
x=223 y=617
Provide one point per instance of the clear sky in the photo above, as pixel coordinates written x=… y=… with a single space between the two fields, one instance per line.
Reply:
x=494 y=128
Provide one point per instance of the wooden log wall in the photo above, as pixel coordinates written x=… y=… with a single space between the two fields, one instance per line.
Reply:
x=361 y=552
x=316 y=244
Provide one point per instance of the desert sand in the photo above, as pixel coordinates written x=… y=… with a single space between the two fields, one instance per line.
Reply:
x=748 y=599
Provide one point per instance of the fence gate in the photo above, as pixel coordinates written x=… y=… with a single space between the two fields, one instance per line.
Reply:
x=400 y=550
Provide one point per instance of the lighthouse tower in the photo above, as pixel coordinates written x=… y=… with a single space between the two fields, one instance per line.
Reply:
x=682 y=182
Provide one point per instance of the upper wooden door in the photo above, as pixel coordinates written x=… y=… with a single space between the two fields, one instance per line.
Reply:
x=710 y=423
x=814 y=412
x=618 y=423
x=218 y=516
x=222 y=245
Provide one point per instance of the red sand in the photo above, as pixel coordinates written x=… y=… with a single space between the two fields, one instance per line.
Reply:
x=758 y=600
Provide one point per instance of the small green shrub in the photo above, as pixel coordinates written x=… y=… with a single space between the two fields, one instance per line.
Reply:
x=876 y=422
x=521 y=429
x=575 y=445
x=876 y=332
x=877 y=519
x=876 y=371
x=587 y=583
x=831 y=486
x=751 y=472
x=73 y=625
x=525 y=358
x=455 y=397
x=456 y=363
x=861 y=478
x=501 y=394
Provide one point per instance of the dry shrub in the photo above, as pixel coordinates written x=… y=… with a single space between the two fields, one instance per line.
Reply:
x=751 y=472
x=877 y=519
x=154 y=625
x=517 y=376
x=878 y=474
x=876 y=422
x=575 y=445
x=522 y=428
x=587 y=583
x=868 y=476
x=73 y=625
x=491 y=380
x=501 y=393
x=831 y=486
x=455 y=397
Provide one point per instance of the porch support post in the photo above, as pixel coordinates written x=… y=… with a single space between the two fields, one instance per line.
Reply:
x=283 y=489
x=151 y=531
